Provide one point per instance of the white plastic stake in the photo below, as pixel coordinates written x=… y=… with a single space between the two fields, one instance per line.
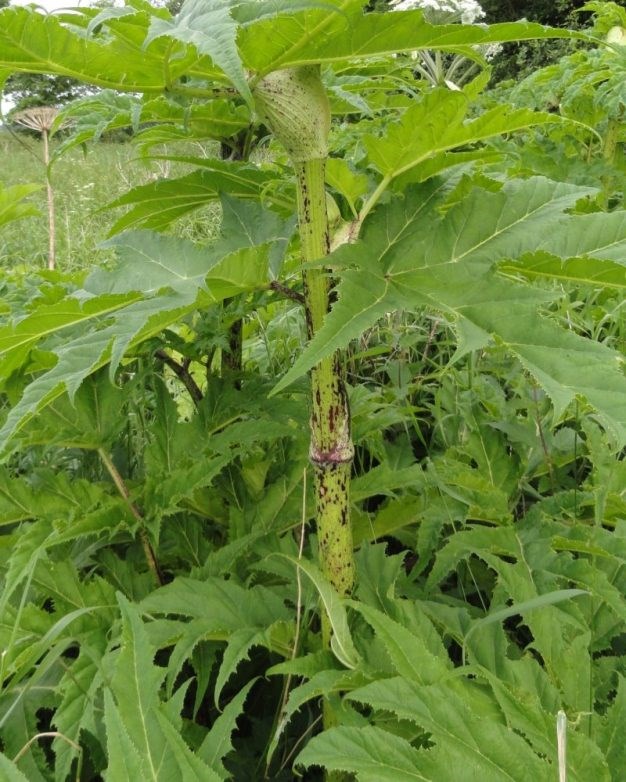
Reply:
x=561 y=743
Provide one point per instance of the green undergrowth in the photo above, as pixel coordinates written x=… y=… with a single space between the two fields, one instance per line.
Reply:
x=490 y=583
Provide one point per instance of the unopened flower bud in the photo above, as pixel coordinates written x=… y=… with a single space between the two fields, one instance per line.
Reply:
x=295 y=106
x=616 y=35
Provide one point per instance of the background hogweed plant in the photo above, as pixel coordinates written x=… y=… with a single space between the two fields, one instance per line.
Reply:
x=439 y=69
x=407 y=565
x=444 y=11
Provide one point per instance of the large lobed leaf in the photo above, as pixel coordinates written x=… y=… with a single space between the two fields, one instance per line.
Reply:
x=531 y=575
x=225 y=611
x=93 y=350
x=217 y=742
x=216 y=40
x=36 y=42
x=344 y=32
x=154 y=120
x=410 y=256
x=209 y=26
x=438 y=122
x=19 y=338
x=611 y=731
x=159 y=203
x=373 y=754
x=225 y=606
x=175 y=276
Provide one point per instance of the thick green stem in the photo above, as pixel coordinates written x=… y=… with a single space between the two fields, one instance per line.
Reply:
x=295 y=105
x=331 y=449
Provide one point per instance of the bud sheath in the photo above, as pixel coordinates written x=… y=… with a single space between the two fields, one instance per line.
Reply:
x=295 y=106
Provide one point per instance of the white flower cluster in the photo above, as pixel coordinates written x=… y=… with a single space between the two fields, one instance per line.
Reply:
x=443 y=11
x=490 y=50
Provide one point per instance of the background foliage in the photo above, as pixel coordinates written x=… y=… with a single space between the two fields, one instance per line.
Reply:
x=520 y=61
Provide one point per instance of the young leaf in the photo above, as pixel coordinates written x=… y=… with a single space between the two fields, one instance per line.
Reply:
x=350 y=184
x=464 y=737
x=341 y=640
x=10 y=772
x=408 y=653
x=611 y=730
x=373 y=754
x=217 y=743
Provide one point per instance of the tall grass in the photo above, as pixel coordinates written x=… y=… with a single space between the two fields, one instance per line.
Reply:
x=83 y=181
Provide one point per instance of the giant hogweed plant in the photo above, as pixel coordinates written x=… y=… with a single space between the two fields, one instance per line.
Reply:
x=160 y=586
